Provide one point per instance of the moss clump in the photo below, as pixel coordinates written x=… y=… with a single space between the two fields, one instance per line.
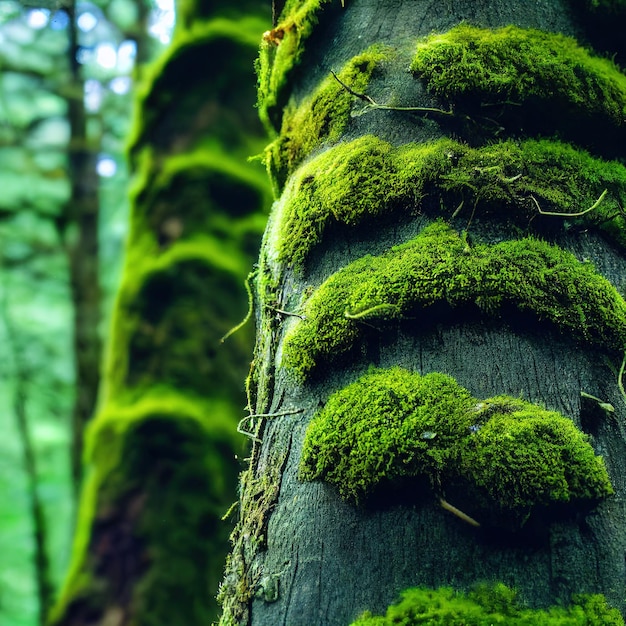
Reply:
x=206 y=191
x=321 y=117
x=281 y=52
x=487 y=605
x=161 y=475
x=367 y=178
x=523 y=66
x=186 y=479
x=438 y=266
x=392 y=424
x=168 y=333
x=171 y=90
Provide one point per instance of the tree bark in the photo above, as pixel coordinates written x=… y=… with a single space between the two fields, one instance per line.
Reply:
x=303 y=555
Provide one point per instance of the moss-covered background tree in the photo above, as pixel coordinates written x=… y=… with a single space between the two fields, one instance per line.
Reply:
x=161 y=453
x=438 y=406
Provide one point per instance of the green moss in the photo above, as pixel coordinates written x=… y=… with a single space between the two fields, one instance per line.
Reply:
x=204 y=191
x=163 y=330
x=171 y=88
x=281 y=53
x=186 y=480
x=244 y=572
x=438 y=266
x=164 y=455
x=392 y=424
x=523 y=66
x=367 y=179
x=487 y=605
x=321 y=117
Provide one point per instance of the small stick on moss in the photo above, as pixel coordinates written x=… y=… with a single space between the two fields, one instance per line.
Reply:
x=464 y=516
x=372 y=104
x=595 y=205
x=374 y=309
x=246 y=319
x=283 y=312
x=457 y=210
x=247 y=433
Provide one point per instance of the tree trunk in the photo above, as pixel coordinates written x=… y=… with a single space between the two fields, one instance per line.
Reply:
x=161 y=453
x=78 y=228
x=462 y=217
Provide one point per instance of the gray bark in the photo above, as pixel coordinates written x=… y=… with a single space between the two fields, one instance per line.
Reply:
x=325 y=561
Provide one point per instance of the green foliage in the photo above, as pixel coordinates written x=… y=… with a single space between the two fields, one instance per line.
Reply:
x=213 y=187
x=488 y=605
x=391 y=424
x=367 y=179
x=33 y=296
x=320 y=118
x=439 y=266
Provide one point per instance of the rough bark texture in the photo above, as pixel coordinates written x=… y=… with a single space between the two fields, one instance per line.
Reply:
x=301 y=554
x=161 y=454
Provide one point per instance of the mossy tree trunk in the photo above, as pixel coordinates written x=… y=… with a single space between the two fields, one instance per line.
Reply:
x=161 y=453
x=440 y=317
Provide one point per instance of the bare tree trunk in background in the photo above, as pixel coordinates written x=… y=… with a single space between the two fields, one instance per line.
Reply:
x=450 y=231
x=78 y=227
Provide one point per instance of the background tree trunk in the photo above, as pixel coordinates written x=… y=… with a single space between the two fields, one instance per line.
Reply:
x=78 y=229
x=161 y=453
x=303 y=555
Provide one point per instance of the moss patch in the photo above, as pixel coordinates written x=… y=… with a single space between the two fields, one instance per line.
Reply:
x=366 y=179
x=281 y=52
x=321 y=117
x=172 y=94
x=391 y=424
x=163 y=330
x=487 y=605
x=438 y=266
x=161 y=475
x=544 y=71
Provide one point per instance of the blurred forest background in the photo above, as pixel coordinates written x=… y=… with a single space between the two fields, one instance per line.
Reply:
x=84 y=112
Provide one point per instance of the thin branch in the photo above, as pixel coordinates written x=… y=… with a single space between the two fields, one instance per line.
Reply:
x=372 y=104
x=283 y=312
x=595 y=205
x=464 y=516
x=246 y=422
x=246 y=319
x=605 y=406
